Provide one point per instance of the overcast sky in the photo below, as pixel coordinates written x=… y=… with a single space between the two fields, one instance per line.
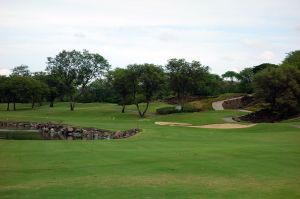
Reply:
x=223 y=34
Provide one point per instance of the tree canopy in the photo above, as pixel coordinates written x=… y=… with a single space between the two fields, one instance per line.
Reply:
x=184 y=77
x=76 y=69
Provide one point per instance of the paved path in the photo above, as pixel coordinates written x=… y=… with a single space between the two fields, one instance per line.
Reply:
x=229 y=120
x=218 y=106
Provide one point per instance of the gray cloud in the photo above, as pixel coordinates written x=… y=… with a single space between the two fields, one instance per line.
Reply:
x=125 y=32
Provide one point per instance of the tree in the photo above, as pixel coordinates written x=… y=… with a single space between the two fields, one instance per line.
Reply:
x=263 y=66
x=21 y=70
x=100 y=90
x=230 y=86
x=184 y=77
x=3 y=96
x=292 y=58
x=18 y=89
x=145 y=81
x=280 y=87
x=246 y=78
x=211 y=85
x=231 y=75
x=121 y=83
x=75 y=70
x=37 y=91
x=55 y=86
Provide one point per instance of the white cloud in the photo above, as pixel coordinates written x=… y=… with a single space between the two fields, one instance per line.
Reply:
x=266 y=56
x=79 y=35
x=4 y=71
x=254 y=43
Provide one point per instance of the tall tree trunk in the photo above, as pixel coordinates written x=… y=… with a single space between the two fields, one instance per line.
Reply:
x=123 y=108
x=7 y=106
x=72 y=104
x=51 y=103
x=32 y=104
x=123 y=104
x=14 y=106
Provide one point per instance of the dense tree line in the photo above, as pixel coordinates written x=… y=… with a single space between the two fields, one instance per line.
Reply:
x=76 y=76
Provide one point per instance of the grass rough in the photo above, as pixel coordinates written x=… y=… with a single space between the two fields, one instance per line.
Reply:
x=161 y=162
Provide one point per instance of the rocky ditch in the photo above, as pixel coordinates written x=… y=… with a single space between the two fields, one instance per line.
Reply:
x=52 y=131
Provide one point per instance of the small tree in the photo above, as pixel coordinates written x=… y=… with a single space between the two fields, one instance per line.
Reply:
x=121 y=83
x=145 y=80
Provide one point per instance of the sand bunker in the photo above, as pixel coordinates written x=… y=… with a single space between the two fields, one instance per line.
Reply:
x=223 y=126
x=209 y=126
x=173 y=124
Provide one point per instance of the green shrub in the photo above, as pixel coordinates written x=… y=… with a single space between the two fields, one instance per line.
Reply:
x=190 y=109
x=167 y=110
x=170 y=110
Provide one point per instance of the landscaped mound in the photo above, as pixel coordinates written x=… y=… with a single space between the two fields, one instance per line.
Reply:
x=53 y=131
x=265 y=115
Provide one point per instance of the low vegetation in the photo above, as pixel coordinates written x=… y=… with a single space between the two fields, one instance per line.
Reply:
x=76 y=76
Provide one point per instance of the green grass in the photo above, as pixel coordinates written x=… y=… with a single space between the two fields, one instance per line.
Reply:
x=20 y=135
x=161 y=162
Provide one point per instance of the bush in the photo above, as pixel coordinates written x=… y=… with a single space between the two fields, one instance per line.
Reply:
x=167 y=110
x=170 y=110
x=190 y=109
x=280 y=88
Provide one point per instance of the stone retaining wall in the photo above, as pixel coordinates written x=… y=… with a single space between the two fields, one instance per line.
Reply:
x=54 y=131
x=237 y=103
x=232 y=104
